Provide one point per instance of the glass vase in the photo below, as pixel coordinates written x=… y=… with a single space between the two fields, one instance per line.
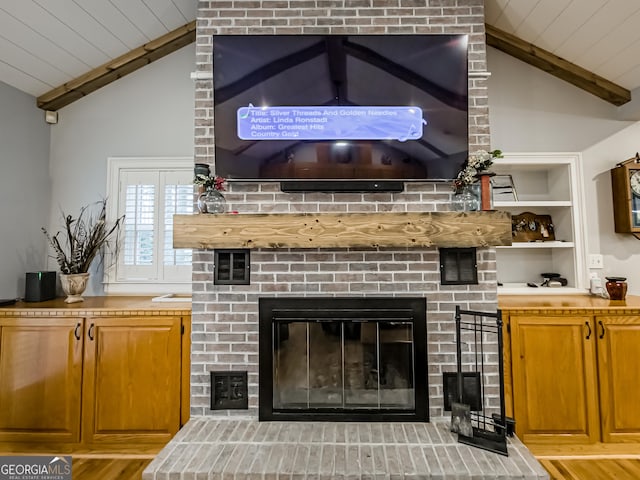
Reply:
x=212 y=201
x=465 y=200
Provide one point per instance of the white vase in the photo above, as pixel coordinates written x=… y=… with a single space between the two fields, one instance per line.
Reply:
x=73 y=285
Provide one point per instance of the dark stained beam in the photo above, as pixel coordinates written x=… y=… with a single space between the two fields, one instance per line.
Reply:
x=111 y=71
x=557 y=66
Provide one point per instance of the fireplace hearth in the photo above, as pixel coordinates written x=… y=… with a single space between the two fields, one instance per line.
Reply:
x=343 y=359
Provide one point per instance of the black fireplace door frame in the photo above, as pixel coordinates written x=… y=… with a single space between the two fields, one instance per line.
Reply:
x=309 y=309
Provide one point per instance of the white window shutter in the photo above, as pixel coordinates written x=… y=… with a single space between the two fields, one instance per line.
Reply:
x=149 y=192
x=177 y=189
x=138 y=198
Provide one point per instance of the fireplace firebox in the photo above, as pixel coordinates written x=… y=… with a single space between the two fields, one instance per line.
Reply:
x=343 y=359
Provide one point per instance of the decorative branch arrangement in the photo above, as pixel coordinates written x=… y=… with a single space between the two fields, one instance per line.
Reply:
x=86 y=237
x=476 y=163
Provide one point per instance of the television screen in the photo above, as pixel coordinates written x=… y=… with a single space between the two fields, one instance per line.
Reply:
x=334 y=107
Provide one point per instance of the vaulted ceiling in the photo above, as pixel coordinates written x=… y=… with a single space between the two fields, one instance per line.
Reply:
x=48 y=46
x=45 y=44
x=601 y=36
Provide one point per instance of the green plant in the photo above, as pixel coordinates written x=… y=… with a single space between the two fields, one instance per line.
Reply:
x=84 y=238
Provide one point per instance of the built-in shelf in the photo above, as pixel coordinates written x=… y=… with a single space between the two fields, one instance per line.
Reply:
x=523 y=289
x=551 y=244
x=544 y=183
x=533 y=204
x=343 y=230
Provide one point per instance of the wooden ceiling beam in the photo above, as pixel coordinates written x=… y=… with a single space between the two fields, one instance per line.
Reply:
x=557 y=66
x=117 y=68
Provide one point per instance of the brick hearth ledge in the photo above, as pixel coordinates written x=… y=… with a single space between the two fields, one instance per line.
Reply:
x=232 y=449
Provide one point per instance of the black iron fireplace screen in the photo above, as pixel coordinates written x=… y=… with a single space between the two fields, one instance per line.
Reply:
x=343 y=359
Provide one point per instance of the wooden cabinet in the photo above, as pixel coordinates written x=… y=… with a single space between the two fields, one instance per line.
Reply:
x=131 y=383
x=40 y=379
x=555 y=395
x=619 y=375
x=94 y=379
x=575 y=369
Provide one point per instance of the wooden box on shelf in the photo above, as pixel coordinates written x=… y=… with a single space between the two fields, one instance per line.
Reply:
x=529 y=227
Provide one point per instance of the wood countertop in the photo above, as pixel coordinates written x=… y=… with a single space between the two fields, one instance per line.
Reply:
x=142 y=305
x=569 y=303
x=97 y=306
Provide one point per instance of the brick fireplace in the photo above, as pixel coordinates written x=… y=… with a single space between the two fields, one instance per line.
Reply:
x=225 y=320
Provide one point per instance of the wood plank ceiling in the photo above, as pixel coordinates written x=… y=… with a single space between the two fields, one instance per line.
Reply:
x=46 y=44
x=557 y=66
x=600 y=36
x=115 y=69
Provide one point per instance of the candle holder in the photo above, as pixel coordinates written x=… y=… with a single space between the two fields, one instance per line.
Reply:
x=486 y=190
x=616 y=288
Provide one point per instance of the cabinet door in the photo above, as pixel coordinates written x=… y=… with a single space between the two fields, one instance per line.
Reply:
x=131 y=380
x=619 y=370
x=554 y=379
x=40 y=379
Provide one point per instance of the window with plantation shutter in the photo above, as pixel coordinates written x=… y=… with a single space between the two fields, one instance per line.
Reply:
x=149 y=192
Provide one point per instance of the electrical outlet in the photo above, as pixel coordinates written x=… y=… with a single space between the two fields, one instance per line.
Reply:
x=596 y=261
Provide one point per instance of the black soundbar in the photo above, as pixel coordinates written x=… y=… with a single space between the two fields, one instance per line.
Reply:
x=346 y=186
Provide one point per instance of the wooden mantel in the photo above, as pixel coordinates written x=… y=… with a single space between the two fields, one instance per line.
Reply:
x=342 y=230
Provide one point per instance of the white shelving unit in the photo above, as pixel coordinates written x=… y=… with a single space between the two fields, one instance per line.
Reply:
x=545 y=184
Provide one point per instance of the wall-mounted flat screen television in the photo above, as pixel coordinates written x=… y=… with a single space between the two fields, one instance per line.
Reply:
x=340 y=107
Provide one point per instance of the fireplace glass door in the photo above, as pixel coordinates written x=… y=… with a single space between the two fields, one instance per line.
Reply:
x=344 y=364
x=339 y=361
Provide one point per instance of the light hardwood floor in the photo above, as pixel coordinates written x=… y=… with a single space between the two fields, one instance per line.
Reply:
x=593 y=469
x=89 y=468
x=597 y=461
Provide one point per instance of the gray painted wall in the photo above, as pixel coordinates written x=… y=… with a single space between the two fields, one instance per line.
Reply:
x=532 y=111
x=621 y=250
x=147 y=113
x=24 y=189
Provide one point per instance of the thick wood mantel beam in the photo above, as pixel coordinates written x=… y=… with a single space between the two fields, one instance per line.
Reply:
x=343 y=230
x=557 y=66
x=123 y=65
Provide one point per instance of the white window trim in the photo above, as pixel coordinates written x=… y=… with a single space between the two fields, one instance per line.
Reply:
x=114 y=165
